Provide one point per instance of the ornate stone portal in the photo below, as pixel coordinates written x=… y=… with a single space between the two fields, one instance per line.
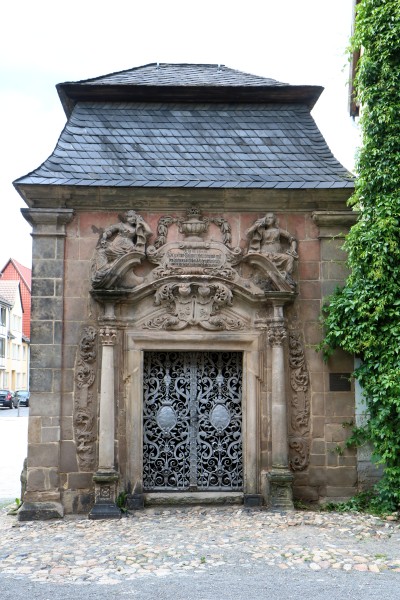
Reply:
x=203 y=293
x=110 y=289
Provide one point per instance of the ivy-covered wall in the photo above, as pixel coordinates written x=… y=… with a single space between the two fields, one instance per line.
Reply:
x=364 y=316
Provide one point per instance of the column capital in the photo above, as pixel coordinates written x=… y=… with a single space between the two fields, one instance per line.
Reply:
x=108 y=335
x=276 y=332
x=48 y=221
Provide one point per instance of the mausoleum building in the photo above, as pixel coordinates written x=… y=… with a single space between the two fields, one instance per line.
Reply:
x=186 y=230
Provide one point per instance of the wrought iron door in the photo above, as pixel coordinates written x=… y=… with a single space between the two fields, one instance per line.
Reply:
x=192 y=421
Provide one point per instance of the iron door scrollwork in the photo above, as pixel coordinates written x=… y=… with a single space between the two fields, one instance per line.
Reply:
x=192 y=421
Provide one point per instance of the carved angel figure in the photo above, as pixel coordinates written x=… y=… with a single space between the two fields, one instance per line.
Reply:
x=265 y=237
x=129 y=234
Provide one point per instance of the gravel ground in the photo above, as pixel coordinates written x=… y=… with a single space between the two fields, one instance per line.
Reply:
x=160 y=543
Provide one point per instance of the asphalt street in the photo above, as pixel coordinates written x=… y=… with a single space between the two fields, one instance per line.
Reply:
x=13 y=450
x=220 y=584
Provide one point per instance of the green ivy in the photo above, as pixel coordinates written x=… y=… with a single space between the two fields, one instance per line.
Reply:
x=364 y=316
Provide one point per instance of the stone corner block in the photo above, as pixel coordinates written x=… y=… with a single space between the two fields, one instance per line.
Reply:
x=40 y=511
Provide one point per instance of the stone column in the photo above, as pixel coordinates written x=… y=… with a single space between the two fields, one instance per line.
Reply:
x=252 y=496
x=280 y=477
x=42 y=498
x=106 y=476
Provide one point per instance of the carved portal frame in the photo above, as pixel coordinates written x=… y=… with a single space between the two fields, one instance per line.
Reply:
x=250 y=343
x=263 y=342
x=274 y=490
x=198 y=297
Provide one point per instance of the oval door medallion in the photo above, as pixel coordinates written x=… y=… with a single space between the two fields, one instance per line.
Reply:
x=220 y=417
x=166 y=418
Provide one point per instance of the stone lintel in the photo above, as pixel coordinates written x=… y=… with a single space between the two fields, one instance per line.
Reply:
x=40 y=511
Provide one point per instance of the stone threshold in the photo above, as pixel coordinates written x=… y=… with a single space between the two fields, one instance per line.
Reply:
x=192 y=498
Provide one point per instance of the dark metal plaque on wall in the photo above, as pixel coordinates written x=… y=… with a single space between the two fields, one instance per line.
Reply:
x=340 y=382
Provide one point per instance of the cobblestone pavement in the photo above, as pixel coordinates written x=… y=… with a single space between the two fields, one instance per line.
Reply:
x=160 y=542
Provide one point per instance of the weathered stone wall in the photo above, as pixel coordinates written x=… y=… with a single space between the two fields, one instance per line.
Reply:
x=66 y=361
x=332 y=474
x=46 y=378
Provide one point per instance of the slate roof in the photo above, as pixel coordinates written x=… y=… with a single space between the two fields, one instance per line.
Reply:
x=168 y=82
x=167 y=74
x=189 y=144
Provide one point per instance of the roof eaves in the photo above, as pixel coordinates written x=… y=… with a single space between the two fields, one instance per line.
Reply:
x=71 y=93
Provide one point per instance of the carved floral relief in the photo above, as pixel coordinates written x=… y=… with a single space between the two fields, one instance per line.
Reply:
x=299 y=425
x=84 y=399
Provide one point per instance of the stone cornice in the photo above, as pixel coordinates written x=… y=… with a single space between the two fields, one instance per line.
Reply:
x=157 y=199
x=334 y=223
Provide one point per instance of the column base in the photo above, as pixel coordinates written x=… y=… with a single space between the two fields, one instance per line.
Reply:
x=105 y=493
x=280 y=489
x=104 y=510
x=40 y=511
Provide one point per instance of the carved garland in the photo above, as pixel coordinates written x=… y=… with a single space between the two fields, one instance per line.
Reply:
x=165 y=221
x=299 y=433
x=84 y=409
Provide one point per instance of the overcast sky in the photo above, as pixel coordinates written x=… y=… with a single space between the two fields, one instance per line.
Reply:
x=45 y=42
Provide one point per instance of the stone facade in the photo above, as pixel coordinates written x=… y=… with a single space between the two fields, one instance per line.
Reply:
x=120 y=272
x=64 y=447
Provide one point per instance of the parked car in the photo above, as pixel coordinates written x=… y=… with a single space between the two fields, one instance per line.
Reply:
x=7 y=399
x=22 y=397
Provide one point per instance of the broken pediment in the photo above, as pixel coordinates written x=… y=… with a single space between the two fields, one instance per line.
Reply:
x=266 y=275
x=199 y=267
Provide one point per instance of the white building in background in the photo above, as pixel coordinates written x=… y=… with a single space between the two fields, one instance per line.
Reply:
x=14 y=348
x=5 y=307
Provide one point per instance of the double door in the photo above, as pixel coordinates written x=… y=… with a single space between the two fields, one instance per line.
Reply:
x=192 y=421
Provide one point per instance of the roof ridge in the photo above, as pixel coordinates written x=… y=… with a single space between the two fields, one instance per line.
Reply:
x=160 y=65
x=20 y=268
